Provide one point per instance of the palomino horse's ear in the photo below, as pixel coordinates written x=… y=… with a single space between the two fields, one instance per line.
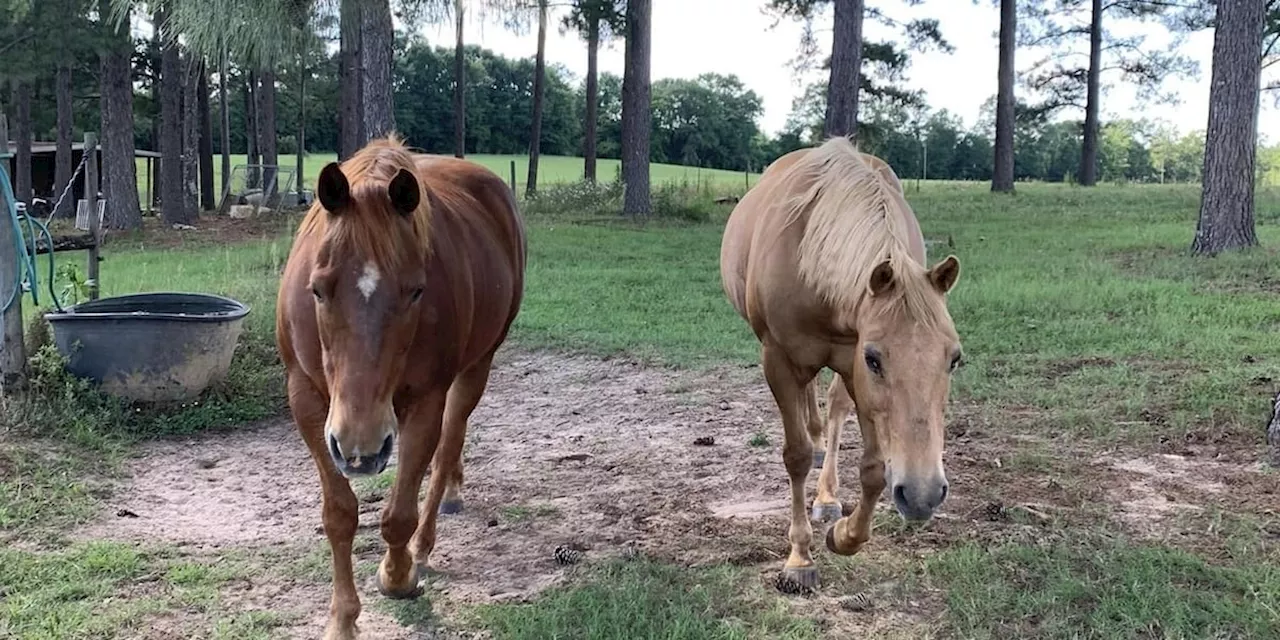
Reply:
x=332 y=188
x=944 y=274
x=881 y=278
x=404 y=192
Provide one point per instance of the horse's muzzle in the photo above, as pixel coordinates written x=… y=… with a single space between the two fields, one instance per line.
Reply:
x=916 y=501
x=360 y=464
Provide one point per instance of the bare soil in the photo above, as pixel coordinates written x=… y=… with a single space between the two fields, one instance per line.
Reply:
x=600 y=454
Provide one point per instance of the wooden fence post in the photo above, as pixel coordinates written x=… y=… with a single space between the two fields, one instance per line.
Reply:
x=513 y=176
x=13 y=357
x=91 y=204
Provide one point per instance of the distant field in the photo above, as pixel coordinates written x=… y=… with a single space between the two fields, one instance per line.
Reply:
x=551 y=169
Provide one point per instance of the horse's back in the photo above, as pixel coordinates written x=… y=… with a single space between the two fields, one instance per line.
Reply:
x=478 y=245
x=743 y=225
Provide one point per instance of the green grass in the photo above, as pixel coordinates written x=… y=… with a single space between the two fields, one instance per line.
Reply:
x=650 y=601
x=1104 y=589
x=551 y=169
x=1081 y=311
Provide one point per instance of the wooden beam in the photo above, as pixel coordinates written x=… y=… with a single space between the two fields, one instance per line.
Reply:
x=65 y=243
x=13 y=357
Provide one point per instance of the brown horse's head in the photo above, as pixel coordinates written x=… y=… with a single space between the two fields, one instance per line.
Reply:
x=367 y=280
x=907 y=350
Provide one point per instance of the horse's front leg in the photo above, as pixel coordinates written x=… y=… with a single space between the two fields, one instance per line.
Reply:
x=398 y=575
x=788 y=385
x=340 y=509
x=847 y=536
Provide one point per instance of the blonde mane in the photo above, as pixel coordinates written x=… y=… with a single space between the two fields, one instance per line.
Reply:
x=366 y=227
x=855 y=222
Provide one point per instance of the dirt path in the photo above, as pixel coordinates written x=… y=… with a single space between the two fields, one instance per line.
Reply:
x=595 y=453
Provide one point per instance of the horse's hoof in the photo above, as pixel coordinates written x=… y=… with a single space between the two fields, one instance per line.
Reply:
x=834 y=548
x=412 y=591
x=825 y=513
x=336 y=631
x=798 y=580
x=819 y=457
x=451 y=507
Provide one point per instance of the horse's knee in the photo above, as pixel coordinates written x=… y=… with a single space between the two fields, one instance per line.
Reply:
x=398 y=525
x=340 y=516
x=798 y=456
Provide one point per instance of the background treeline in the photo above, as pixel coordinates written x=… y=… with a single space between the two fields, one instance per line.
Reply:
x=710 y=121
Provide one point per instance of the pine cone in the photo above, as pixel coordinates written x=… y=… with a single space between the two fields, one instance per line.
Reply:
x=566 y=555
x=856 y=602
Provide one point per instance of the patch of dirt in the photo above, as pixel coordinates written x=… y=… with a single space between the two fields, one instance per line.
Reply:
x=599 y=454
x=1153 y=492
x=210 y=229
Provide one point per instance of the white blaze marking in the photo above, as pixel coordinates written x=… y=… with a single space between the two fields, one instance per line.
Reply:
x=368 y=282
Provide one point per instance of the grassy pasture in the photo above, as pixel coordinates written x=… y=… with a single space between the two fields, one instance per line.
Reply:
x=1088 y=331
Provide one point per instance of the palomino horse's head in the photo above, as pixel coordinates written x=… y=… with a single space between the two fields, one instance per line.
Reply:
x=907 y=350
x=367 y=280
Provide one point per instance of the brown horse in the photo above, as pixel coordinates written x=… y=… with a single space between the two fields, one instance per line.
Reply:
x=402 y=282
x=825 y=260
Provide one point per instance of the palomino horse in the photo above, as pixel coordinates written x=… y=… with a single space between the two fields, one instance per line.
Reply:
x=825 y=260
x=403 y=281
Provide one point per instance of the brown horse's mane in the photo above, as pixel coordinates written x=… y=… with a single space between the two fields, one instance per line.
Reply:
x=855 y=222
x=366 y=227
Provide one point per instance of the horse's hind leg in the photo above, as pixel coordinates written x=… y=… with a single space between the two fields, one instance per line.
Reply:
x=826 y=506
x=446 y=471
x=789 y=386
x=813 y=422
x=451 y=503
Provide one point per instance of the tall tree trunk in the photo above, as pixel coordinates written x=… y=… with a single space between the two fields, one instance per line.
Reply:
x=155 y=59
x=1089 y=149
x=22 y=136
x=268 y=135
x=190 y=139
x=252 y=173
x=636 y=119
x=376 y=43
x=119 y=172
x=459 y=83
x=539 y=89
x=1230 y=143
x=62 y=157
x=172 y=208
x=593 y=102
x=1002 y=177
x=299 y=179
x=846 y=64
x=350 y=116
x=207 y=200
x=225 y=114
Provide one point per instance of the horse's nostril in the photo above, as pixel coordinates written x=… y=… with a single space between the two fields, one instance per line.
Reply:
x=900 y=494
x=387 y=444
x=945 y=488
x=334 y=449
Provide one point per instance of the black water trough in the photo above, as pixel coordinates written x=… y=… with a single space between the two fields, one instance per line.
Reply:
x=150 y=347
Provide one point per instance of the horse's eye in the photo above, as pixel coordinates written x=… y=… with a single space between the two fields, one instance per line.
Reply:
x=957 y=362
x=416 y=295
x=873 y=361
x=315 y=291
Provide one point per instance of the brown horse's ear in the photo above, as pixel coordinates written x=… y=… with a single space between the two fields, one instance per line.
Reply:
x=332 y=188
x=944 y=274
x=404 y=193
x=881 y=278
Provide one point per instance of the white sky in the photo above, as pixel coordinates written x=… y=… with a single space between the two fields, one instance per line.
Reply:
x=733 y=37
